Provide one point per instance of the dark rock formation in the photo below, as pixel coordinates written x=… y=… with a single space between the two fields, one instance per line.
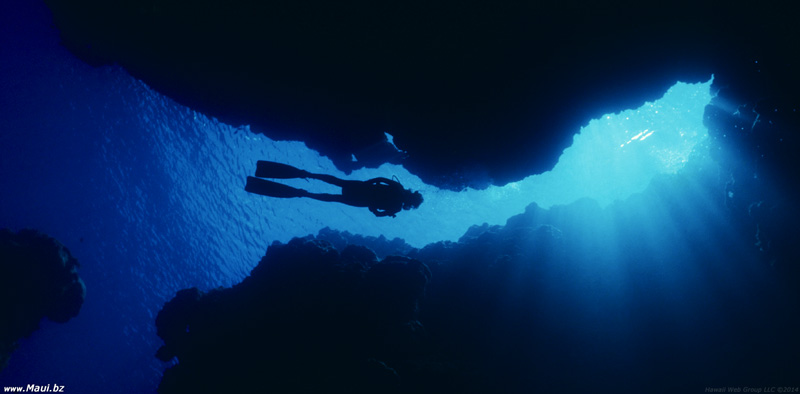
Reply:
x=663 y=292
x=38 y=279
x=381 y=246
x=753 y=124
x=307 y=319
x=474 y=92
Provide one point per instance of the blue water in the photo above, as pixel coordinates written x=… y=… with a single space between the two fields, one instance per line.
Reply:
x=148 y=195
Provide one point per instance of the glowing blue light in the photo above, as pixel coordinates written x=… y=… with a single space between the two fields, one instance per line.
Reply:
x=207 y=163
x=611 y=158
x=617 y=155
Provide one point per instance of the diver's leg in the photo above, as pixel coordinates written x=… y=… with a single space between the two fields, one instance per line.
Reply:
x=273 y=189
x=330 y=179
x=326 y=197
x=271 y=169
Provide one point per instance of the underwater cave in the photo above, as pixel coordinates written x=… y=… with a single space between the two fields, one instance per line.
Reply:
x=629 y=227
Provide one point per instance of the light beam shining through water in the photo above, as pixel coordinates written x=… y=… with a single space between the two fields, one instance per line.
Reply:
x=610 y=159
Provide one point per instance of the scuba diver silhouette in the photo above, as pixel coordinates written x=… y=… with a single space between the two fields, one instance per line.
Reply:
x=383 y=197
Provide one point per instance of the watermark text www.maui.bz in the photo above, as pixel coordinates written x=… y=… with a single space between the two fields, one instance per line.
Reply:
x=35 y=388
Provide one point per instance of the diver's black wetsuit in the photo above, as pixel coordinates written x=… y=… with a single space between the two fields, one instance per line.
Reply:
x=383 y=197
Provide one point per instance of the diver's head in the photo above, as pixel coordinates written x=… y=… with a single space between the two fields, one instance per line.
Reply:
x=411 y=199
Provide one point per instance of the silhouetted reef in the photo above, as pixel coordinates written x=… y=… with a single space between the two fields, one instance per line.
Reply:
x=307 y=319
x=572 y=298
x=754 y=139
x=380 y=245
x=38 y=279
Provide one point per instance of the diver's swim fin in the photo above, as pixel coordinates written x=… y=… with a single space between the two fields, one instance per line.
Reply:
x=271 y=169
x=272 y=189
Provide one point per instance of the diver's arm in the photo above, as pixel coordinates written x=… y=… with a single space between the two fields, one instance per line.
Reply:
x=383 y=213
x=376 y=181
